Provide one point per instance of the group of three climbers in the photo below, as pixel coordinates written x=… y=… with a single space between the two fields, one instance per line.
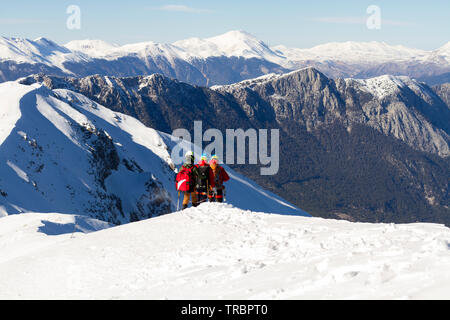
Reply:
x=201 y=181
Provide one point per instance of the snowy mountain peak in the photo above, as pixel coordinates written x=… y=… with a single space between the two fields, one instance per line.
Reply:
x=234 y=36
x=230 y=44
x=202 y=61
x=75 y=157
x=62 y=152
x=310 y=72
x=39 y=51
x=28 y=47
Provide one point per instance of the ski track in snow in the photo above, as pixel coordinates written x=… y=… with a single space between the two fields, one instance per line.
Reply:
x=52 y=158
x=220 y=252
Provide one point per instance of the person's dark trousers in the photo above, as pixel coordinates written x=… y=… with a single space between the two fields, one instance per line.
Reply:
x=217 y=197
x=202 y=197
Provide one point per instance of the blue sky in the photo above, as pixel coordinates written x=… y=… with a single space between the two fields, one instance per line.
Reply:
x=419 y=24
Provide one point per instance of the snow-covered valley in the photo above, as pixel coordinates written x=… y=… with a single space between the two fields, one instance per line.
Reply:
x=223 y=59
x=62 y=152
x=217 y=251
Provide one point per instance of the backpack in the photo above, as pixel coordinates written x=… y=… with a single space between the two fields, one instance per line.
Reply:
x=203 y=176
x=218 y=179
x=183 y=181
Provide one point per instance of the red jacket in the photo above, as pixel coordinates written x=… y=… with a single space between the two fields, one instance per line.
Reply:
x=220 y=176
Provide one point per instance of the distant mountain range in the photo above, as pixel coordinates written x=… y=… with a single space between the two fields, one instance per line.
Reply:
x=225 y=59
x=62 y=152
x=359 y=149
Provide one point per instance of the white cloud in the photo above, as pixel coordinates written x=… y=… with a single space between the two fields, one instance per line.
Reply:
x=15 y=21
x=359 y=20
x=182 y=8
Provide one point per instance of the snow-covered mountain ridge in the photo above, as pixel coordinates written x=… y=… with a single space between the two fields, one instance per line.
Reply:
x=224 y=59
x=216 y=251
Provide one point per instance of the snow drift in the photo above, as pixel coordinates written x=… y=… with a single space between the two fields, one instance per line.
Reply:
x=61 y=152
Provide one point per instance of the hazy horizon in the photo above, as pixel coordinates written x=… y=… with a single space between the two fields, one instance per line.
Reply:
x=412 y=24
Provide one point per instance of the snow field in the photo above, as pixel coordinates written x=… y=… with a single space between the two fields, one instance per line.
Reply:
x=47 y=162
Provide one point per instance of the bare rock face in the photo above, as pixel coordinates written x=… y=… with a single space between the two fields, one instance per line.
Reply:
x=205 y=72
x=306 y=96
x=395 y=106
x=405 y=109
x=74 y=161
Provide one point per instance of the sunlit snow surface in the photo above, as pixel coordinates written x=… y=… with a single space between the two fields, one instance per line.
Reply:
x=230 y=44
